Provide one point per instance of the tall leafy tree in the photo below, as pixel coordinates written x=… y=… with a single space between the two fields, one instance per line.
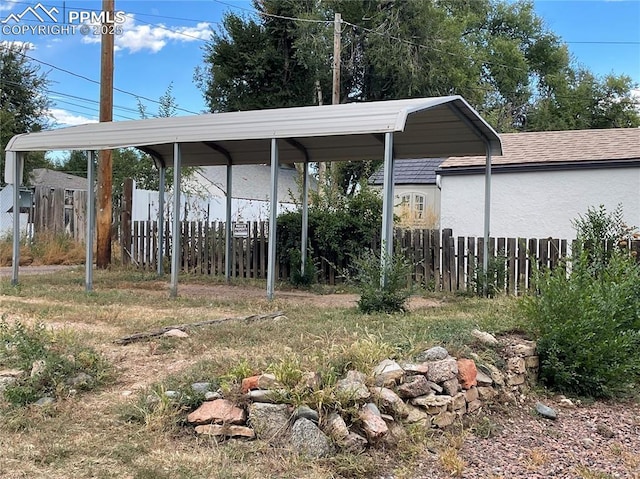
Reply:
x=23 y=101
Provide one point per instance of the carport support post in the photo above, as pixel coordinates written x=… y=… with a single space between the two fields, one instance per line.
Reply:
x=91 y=213
x=271 y=264
x=487 y=220
x=161 y=190
x=227 y=225
x=305 y=219
x=175 y=244
x=386 y=247
x=17 y=166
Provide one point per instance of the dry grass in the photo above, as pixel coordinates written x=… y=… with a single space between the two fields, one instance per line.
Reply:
x=90 y=436
x=45 y=249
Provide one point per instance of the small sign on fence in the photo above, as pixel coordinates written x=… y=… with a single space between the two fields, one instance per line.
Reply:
x=240 y=230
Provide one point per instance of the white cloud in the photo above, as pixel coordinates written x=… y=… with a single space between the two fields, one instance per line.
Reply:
x=64 y=118
x=7 y=5
x=137 y=37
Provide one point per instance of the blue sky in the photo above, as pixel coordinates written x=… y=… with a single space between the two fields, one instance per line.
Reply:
x=162 y=44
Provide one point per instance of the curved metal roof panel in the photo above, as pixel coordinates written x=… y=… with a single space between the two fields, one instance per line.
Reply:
x=440 y=126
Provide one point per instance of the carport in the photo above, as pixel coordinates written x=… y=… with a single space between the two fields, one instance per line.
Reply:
x=414 y=128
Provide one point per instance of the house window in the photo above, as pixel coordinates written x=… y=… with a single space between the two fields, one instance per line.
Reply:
x=413 y=205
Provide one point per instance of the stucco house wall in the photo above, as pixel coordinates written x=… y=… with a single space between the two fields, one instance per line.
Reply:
x=538 y=204
x=543 y=182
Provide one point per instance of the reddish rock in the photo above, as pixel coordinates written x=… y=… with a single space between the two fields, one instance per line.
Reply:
x=467 y=373
x=218 y=411
x=372 y=424
x=250 y=383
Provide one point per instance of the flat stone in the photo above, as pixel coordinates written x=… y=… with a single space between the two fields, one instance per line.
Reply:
x=203 y=387
x=414 y=386
x=432 y=404
x=309 y=440
x=266 y=395
x=372 y=424
x=436 y=353
x=307 y=413
x=175 y=333
x=415 y=368
x=435 y=387
x=442 y=370
x=467 y=373
x=218 y=411
x=483 y=378
x=515 y=379
x=269 y=421
x=225 y=430
x=484 y=337
x=387 y=373
x=546 y=411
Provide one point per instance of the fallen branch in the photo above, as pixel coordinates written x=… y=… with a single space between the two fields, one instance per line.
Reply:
x=183 y=327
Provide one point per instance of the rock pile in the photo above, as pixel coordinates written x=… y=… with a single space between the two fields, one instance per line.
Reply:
x=432 y=391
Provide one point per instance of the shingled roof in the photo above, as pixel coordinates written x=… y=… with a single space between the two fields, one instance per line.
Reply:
x=57 y=179
x=554 y=147
x=410 y=172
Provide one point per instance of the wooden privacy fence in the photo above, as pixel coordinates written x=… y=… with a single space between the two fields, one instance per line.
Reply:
x=440 y=261
x=60 y=211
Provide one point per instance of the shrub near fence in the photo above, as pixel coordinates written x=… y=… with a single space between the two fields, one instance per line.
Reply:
x=441 y=261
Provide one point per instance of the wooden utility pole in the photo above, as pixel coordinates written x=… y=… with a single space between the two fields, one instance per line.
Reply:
x=337 y=38
x=105 y=163
x=324 y=169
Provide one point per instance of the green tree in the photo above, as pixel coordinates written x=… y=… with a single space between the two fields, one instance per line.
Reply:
x=23 y=102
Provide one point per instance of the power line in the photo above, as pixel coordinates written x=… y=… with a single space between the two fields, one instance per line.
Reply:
x=69 y=72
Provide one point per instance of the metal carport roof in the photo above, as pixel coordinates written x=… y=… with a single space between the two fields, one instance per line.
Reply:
x=434 y=127
x=413 y=128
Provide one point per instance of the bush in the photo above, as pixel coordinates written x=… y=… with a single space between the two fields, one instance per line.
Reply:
x=375 y=297
x=62 y=360
x=339 y=230
x=587 y=322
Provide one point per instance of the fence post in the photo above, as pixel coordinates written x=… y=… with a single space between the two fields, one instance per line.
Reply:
x=125 y=221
